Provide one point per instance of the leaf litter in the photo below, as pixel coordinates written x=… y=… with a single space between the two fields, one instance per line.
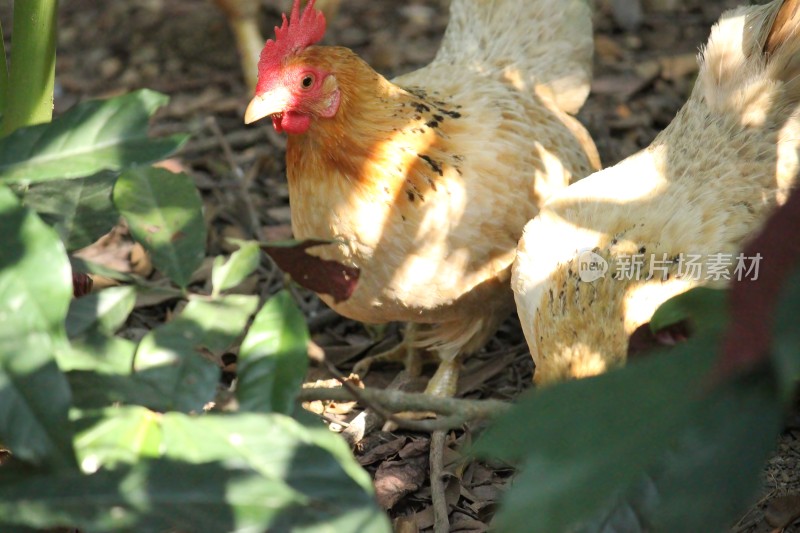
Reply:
x=644 y=69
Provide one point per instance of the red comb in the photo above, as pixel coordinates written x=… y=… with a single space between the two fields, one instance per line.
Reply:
x=296 y=33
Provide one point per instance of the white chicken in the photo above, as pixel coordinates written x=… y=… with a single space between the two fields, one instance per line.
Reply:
x=604 y=253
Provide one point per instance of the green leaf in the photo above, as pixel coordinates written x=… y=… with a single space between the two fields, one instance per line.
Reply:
x=724 y=444
x=217 y=472
x=273 y=358
x=165 y=215
x=585 y=441
x=112 y=436
x=320 y=435
x=728 y=438
x=92 y=136
x=176 y=358
x=98 y=352
x=705 y=307
x=104 y=311
x=95 y=390
x=162 y=495
x=243 y=262
x=786 y=343
x=81 y=210
x=35 y=289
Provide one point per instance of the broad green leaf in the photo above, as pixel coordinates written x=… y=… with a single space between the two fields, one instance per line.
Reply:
x=98 y=352
x=217 y=472
x=705 y=308
x=705 y=480
x=104 y=311
x=96 y=390
x=711 y=477
x=786 y=343
x=111 y=436
x=282 y=450
x=80 y=210
x=177 y=358
x=163 y=495
x=273 y=357
x=321 y=435
x=92 y=136
x=243 y=262
x=582 y=442
x=35 y=289
x=165 y=215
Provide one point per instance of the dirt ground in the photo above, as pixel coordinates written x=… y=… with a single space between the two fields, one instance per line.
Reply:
x=184 y=48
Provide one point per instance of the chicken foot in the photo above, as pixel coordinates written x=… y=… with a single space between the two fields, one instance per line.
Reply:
x=405 y=352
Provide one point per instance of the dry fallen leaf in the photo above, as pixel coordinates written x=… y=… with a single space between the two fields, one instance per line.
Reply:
x=382 y=451
x=395 y=479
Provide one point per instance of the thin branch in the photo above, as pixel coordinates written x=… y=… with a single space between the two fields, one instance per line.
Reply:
x=458 y=411
x=441 y=522
x=254 y=224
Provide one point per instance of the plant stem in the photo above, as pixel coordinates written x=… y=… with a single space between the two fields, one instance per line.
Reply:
x=33 y=65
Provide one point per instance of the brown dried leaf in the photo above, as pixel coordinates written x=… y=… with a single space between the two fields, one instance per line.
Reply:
x=395 y=479
x=140 y=261
x=382 y=451
x=314 y=273
x=463 y=523
x=415 y=448
x=405 y=524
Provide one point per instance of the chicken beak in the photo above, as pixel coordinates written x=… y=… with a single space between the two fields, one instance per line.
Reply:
x=265 y=104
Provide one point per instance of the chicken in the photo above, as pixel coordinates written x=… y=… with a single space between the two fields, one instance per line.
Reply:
x=426 y=181
x=243 y=18
x=693 y=197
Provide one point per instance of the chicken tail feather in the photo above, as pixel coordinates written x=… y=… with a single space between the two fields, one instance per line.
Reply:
x=530 y=43
x=784 y=27
x=751 y=65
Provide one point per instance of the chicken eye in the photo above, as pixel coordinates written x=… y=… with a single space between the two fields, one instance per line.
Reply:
x=308 y=81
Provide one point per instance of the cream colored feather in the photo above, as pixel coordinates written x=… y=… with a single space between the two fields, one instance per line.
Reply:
x=426 y=181
x=705 y=184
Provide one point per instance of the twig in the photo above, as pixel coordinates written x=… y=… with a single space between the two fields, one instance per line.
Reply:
x=243 y=138
x=355 y=391
x=254 y=224
x=448 y=422
x=441 y=522
x=457 y=411
x=243 y=182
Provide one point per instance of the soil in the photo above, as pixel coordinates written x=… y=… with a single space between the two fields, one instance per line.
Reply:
x=184 y=48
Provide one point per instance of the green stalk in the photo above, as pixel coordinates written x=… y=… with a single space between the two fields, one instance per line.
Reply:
x=3 y=73
x=33 y=65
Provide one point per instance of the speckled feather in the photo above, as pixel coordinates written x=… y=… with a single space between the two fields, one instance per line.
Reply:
x=706 y=183
x=427 y=180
